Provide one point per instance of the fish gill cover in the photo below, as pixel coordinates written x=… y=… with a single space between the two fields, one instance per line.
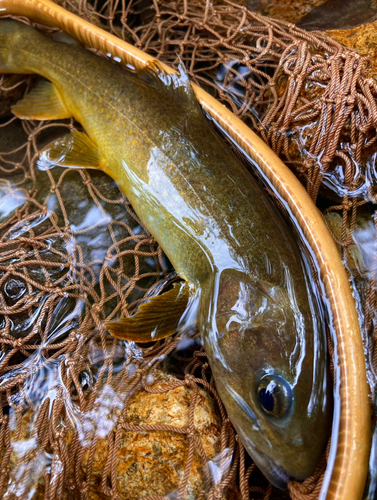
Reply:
x=73 y=254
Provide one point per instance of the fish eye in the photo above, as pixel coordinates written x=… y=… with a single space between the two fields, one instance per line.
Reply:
x=275 y=396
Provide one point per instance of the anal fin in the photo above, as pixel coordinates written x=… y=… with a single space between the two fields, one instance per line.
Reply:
x=42 y=103
x=74 y=150
x=156 y=319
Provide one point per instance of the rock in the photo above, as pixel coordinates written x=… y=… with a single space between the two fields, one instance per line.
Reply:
x=287 y=10
x=363 y=40
x=147 y=463
x=32 y=470
x=153 y=463
x=339 y=14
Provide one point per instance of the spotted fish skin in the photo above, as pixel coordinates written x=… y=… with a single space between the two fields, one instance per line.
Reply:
x=256 y=311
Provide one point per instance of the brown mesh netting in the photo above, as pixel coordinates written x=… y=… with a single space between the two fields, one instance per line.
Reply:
x=77 y=403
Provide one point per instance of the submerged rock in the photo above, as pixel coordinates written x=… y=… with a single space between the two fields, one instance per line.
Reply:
x=150 y=462
x=153 y=462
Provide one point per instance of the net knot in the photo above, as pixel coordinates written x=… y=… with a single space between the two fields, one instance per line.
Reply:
x=370 y=82
x=347 y=205
x=363 y=129
x=84 y=486
x=189 y=380
x=217 y=491
x=326 y=160
x=308 y=163
x=96 y=308
x=17 y=344
x=59 y=434
x=71 y=484
x=191 y=434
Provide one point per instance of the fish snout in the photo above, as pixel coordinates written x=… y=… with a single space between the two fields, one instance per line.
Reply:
x=271 y=470
x=278 y=465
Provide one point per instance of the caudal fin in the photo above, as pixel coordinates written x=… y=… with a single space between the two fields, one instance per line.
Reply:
x=12 y=35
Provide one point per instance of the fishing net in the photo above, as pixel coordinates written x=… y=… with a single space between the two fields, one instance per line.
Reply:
x=79 y=408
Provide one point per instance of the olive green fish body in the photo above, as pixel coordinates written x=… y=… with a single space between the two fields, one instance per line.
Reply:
x=145 y=132
x=257 y=313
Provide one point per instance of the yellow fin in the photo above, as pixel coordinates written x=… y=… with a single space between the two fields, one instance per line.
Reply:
x=74 y=150
x=156 y=319
x=42 y=103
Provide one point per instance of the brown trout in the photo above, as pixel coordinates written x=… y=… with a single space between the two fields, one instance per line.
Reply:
x=243 y=275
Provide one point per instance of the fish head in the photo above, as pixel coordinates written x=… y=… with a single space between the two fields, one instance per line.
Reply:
x=267 y=351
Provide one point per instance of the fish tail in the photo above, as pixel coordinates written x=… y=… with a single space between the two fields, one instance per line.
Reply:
x=13 y=36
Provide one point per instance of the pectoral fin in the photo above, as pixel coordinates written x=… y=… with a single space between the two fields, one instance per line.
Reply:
x=156 y=319
x=74 y=150
x=42 y=103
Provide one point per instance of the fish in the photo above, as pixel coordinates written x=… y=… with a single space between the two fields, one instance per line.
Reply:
x=244 y=280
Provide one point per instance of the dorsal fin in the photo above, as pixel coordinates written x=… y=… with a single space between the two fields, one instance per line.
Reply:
x=178 y=84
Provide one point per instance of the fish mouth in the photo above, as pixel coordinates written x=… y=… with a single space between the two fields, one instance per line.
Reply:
x=269 y=468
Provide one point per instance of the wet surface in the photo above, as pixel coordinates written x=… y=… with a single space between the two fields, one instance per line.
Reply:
x=287 y=10
x=339 y=14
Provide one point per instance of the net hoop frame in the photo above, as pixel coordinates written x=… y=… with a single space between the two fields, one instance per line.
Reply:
x=347 y=468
